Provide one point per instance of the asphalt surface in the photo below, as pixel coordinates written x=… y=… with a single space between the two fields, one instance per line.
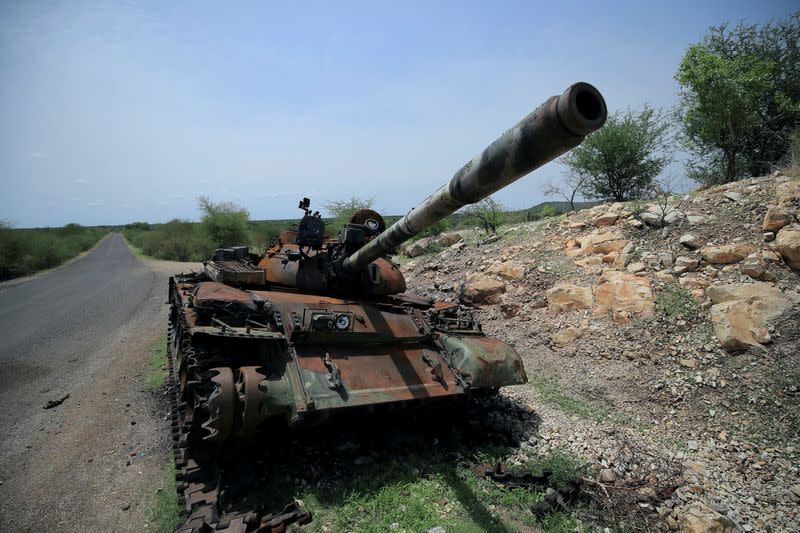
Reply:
x=83 y=330
x=50 y=323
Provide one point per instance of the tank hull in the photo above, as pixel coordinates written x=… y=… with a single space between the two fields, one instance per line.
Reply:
x=297 y=367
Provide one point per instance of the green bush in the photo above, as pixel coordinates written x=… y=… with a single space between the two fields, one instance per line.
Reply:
x=225 y=223
x=179 y=240
x=26 y=251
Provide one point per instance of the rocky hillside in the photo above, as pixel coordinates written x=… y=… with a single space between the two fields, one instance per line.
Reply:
x=661 y=343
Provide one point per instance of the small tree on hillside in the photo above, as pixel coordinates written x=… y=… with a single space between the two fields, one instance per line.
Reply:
x=342 y=210
x=569 y=189
x=225 y=223
x=620 y=161
x=487 y=214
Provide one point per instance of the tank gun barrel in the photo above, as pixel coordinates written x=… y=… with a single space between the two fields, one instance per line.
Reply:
x=558 y=125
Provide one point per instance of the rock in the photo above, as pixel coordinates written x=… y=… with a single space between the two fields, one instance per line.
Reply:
x=728 y=253
x=567 y=336
x=569 y=297
x=623 y=295
x=764 y=297
x=738 y=326
x=696 y=219
x=769 y=236
x=490 y=240
x=482 y=289
x=510 y=310
x=606 y=219
x=754 y=266
x=633 y=268
x=664 y=276
x=126 y=507
x=449 y=239
x=788 y=191
x=699 y=518
x=776 y=218
x=686 y=264
x=666 y=259
x=655 y=217
x=690 y=241
x=420 y=247
x=788 y=244
x=733 y=196
x=607 y=476
x=598 y=241
x=508 y=270
x=437 y=529
x=691 y=282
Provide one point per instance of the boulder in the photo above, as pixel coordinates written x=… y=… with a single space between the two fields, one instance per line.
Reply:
x=664 y=276
x=656 y=216
x=606 y=219
x=765 y=297
x=776 y=218
x=733 y=196
x=598 y=241
x=754 y=266
x=690 y=241
x=567 y=336
x=569 y=297
x=633 y=268
x=428 y=244
x=727 y=253
x=686 y=264
x=481 y=289
x=740 y=311
x=507 y=270
x=739 y=326
x=699 y=518
x=788 y=191
x=788 y=244
x=623 y=295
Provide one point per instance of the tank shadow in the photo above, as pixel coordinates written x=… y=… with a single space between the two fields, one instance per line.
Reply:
x=360 y=456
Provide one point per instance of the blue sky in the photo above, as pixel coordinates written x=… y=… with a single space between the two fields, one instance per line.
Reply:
x=119 y=111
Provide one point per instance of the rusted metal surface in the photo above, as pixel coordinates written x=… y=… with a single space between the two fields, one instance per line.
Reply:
x=318 y=327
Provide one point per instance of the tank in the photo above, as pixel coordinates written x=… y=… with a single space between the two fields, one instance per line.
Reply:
x=321 y=327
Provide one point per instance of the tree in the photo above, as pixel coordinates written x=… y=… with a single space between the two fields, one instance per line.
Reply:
x=342 y=210
x=487 y=214
x=568 y=190
x=740 y=98
x=224 y=222
x=620 y=161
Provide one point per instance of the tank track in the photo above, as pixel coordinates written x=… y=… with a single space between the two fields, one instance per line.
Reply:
x=199 y=465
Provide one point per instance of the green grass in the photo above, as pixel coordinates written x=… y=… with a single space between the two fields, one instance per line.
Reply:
x=157 y=363
x=424 y=489
x=26 y=251
x=163 y=515
x=550 y=392
x=677 y=303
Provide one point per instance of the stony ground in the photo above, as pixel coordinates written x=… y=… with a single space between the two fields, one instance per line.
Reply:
x=661 y=343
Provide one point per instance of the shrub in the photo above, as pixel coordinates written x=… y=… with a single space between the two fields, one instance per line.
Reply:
x=26 y=251
x=225 y=223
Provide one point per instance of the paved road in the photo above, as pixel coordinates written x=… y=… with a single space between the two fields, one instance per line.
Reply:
x=51 y=323
x=83 y=330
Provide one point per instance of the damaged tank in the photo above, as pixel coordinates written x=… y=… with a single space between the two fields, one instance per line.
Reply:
x=318 y=327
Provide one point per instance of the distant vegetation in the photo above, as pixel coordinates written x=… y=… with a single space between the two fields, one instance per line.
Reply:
x=26 y=251
x=221 y=224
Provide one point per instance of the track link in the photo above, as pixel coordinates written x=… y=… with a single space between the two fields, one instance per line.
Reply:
x=199 y=464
